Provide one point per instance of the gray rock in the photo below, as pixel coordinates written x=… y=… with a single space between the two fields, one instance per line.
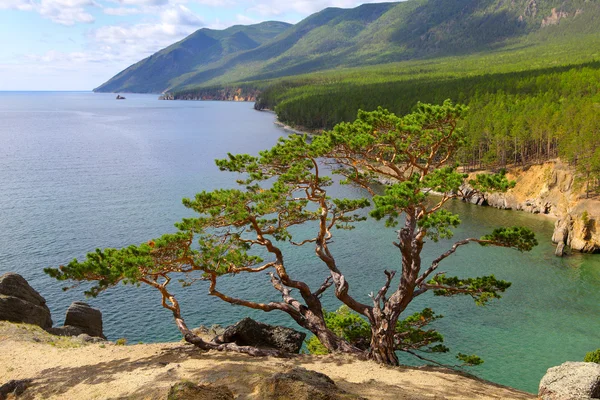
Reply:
x=19 y=302
x=301 y=384
x=497 y=200
x=208 y=332
x=65 y=331
x=87 y=319
x=571 y=381
x=85 y=338
x=249 y=332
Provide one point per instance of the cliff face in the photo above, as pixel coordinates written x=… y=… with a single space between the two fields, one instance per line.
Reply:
x=579 y=229
x=551 y=188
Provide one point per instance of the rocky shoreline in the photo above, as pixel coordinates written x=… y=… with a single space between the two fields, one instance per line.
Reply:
x=224 y=94
x=551 y=189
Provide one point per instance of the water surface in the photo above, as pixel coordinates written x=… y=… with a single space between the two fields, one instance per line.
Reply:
x=80 y=171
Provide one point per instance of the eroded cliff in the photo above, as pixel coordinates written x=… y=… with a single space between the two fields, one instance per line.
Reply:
x=552 y=188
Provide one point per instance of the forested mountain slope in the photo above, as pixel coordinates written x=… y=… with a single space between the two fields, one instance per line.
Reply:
x=370 y=34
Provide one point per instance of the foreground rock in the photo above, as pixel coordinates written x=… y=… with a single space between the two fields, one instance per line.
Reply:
x=19 y=302
x=301 y=384
x=190 y=391
x=571 y=381
x=86 y=319
x=249 y=332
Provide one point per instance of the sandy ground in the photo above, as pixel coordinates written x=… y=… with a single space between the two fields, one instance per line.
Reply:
x=62 y=368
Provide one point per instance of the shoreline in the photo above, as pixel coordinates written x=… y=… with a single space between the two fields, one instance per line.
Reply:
x=552 y=195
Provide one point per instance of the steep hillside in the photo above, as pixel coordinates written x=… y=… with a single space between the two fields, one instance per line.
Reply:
x=367 y=35
x=205 y=46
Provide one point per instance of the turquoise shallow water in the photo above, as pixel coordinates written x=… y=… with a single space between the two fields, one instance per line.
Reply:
x=81 y=170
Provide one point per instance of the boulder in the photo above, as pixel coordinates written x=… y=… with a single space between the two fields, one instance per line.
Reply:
x=190 y=391
x=249 y=332
x=571 y=381
x=85 y=338
x=560 y=249
x=87 y=319
x=497 y=200
x=207 y=333
x=19 y=302
x=65 y=331
x=562 y=228
x=301 y=384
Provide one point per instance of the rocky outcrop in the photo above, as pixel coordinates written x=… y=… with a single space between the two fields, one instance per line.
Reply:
x=222 y=94
x=550 y=189
x=554 y=18
x=580 y=228
x=540 y=189
x=249 y=332
x=301 y=384
x=82 y=318
x=19 y=302
x=571 y=381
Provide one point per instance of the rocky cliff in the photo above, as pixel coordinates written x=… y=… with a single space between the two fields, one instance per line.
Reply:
x=552 y=188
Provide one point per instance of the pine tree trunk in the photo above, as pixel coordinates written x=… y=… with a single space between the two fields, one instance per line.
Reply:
x=382 y=348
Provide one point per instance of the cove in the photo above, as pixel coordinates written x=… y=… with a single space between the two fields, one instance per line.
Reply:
x=81 y=171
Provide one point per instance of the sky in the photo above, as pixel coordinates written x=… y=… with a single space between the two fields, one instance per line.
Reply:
x=80 y=44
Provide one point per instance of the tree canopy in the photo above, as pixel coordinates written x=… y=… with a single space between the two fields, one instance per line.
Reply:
x=242 y=231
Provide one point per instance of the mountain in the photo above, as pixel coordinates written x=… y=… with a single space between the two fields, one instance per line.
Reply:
x=366 y=35
x=203 y=47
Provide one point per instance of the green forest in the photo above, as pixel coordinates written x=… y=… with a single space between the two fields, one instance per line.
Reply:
x=520 y=112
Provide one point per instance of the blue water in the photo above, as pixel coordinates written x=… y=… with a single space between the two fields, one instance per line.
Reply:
x=80 y=171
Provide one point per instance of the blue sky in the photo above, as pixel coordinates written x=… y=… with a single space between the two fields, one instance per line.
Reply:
x=79 y=44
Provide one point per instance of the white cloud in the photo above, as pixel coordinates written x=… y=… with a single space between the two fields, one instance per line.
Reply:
x=245 y=20
x=121 y=11
x=64 y=12
x=144 y=2
x=303 y=7
x=216 y=3
x=23 y=5
x=123 y=45
x=180 y=15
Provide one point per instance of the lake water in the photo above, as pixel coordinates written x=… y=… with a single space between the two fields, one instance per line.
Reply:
x=80 y=171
